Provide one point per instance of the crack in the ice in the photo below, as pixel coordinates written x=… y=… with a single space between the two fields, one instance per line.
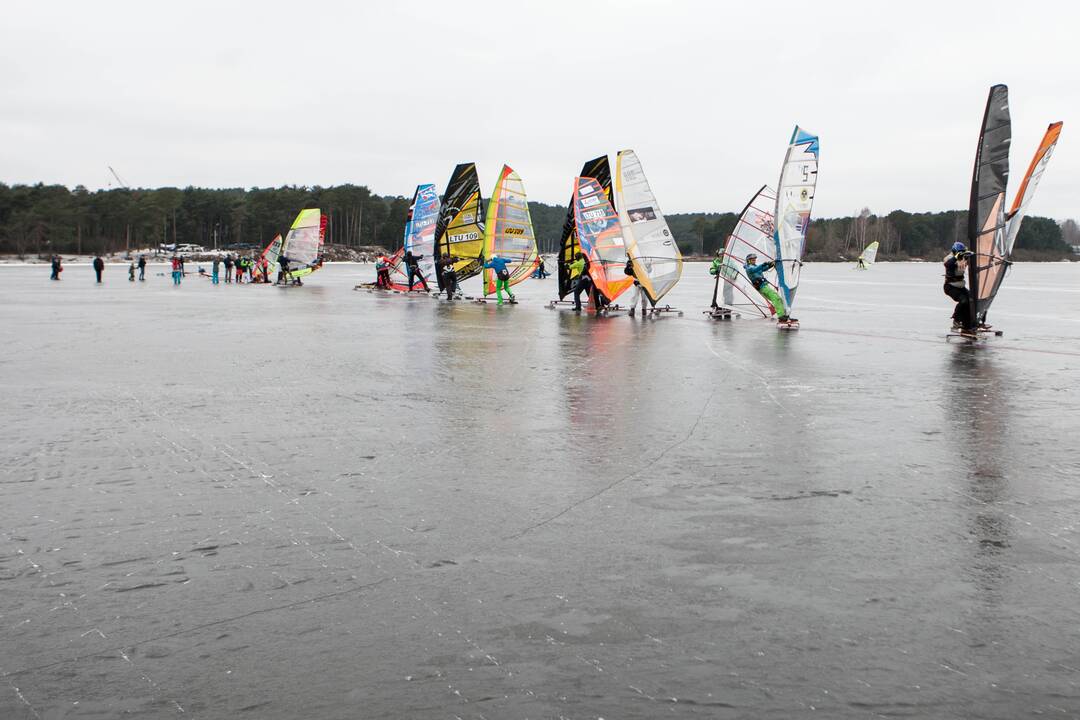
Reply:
x=195 y=628
x=620 y=480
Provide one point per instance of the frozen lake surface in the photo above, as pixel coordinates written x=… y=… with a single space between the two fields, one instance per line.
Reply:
x=321 y=503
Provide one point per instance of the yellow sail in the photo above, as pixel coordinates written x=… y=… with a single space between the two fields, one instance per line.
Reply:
x=509 y=230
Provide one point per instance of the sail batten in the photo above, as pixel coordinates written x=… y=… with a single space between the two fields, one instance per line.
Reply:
x=649 y=242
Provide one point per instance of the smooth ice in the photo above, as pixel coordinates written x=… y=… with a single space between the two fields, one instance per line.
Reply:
x=323 y=503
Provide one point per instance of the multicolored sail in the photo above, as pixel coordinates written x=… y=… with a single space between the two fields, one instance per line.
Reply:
x=1031 y=182
x=508 y=230
x=869 y=254
x=270 y=255
x=986 y=212
x=753 y=233
x=303 y=244
x=649 y=242
x=419 y=238
x=794 y=200
x=599 y=170
x=600 y=237
x=459 y=232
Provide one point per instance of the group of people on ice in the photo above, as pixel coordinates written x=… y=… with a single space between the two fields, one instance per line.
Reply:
x=444 y=270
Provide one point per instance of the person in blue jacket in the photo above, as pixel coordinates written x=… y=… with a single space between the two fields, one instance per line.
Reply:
x=502 y=277
x=756 y=275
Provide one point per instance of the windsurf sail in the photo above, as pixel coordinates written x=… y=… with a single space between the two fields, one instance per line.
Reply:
x=794 y=200
x=649 y=242
x=753 y=233
x=986 y=212
x=869 y=254
x=459 y=232
x=508 y=230
x=600 y=237
x=303 y=244
x=1031 y=182
x=419 y=238
x=270 y=255
x=599 y=170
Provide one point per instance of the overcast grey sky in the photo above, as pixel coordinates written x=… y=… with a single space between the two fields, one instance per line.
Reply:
x=228 y=94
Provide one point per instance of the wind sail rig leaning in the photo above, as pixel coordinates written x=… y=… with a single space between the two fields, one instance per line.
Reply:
x=419 y=238
x=992 y=231
x=869 y=254
x=599 y=170
x=304 y=242
x=649 y=242
x=753 y=233
x=794 y=200
x=1030 y=183
x=270 y=255
x=600 y=236
x=459 y=232
x=508 y=230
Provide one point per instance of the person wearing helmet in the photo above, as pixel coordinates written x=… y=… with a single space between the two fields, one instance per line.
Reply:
x=956 y=263
x=756 y=275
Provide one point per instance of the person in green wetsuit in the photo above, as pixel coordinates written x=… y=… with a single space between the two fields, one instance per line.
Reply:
x=756 y=275
x=502 y=277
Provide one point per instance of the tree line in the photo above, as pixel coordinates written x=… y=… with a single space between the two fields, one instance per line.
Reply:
x=45 y=219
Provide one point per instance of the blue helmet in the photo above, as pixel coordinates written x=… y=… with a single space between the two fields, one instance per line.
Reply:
x=959 y=247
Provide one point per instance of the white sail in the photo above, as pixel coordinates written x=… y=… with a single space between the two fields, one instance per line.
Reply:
x=869 y=253
x=1029 y=184
x=304 y=241
x=794 y=200
x=649 y=242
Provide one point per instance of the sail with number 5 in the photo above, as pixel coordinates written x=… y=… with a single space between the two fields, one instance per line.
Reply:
x=600 y=236
x=459 y=232
x=599 y=170
x=303 y=244
x=508 y=230
x=649 y=242
x=794 y=201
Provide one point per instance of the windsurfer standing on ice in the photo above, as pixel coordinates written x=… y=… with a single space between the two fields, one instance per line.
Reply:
x=502 y=277
x=756 y=275
x=412 y=263
x=956 y=263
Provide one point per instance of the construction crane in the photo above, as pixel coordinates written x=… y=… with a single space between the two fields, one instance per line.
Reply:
x=127 y=234
x=118 y=178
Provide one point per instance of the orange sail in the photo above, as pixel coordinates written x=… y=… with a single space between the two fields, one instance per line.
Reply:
x=600 y=236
